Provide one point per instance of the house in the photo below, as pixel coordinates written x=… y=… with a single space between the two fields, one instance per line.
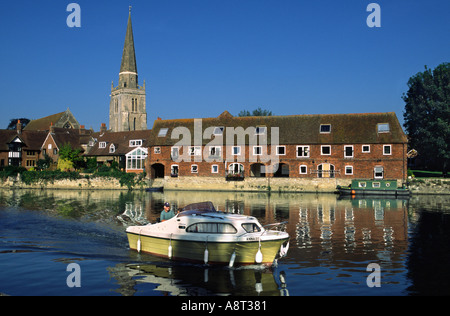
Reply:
x=128 y=149
x=20 y=147
x=327 y=146
x=56 y=138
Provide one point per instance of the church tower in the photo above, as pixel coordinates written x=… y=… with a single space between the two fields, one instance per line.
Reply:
x=127 y=109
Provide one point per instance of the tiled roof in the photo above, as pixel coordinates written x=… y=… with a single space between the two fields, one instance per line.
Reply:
x=121 y=141
x=32 y=139
x=57 y=120
x=295 y=129
x=64 y=136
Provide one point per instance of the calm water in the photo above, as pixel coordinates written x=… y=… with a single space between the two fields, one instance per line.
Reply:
x=332 y=243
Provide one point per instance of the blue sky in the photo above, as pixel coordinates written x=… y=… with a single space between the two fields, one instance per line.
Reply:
x=202 y=57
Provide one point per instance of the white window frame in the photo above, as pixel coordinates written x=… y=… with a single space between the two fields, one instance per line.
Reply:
x=375 y=174
x=100 y=145
x=135 y=143
x=112 y=149
x=194 y=168
x=278 y=150
x=157 y=150
x=349 y=168
x=300 y=169
x=345 y=151
x=238 y=151
x=135 y=159
x=215 y=167
x=255 y=148
x=172 y=156
x=365 y=151
x=217 y=150
x=172 y=167
x=321 y=150
x=307 y=147
x=195 y=150
x=326 y=132
x=390 y=150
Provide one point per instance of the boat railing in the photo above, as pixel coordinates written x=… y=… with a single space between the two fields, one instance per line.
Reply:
x=281 y=226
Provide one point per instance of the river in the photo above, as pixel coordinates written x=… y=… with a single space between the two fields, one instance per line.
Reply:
x=337 y=246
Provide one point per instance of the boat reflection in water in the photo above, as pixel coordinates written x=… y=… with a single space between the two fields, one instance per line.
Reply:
x=177 y=279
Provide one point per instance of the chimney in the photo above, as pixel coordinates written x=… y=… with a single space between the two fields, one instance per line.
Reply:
x=82 y=130
x=52 y=128
x=19 y=127
x=103 y=128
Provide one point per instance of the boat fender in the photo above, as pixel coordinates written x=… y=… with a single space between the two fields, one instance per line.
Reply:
x=139 y=243
x=233 y=256
x=206 y=254
x=259 y=256
x=170 y=247
x=284 y=250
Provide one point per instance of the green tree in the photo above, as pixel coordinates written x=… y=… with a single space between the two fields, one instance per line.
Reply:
x=45 y=163
x=427 y=116
x=257 y=112
x=69 y=156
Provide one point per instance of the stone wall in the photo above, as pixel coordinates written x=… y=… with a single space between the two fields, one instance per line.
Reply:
x=250 y=184
x=94 y=183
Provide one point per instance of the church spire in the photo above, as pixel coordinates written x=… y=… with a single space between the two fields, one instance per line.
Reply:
x=128 y=56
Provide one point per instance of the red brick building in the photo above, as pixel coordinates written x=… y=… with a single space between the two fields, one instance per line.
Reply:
x=341 y=146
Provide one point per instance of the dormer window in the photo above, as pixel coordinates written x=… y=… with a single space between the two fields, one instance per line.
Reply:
x=112 y=149
x=102 y=145
x=325 y=128
x=135 y=143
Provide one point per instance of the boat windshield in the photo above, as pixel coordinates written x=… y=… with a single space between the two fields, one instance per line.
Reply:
x=251 y=227
x=197 y=208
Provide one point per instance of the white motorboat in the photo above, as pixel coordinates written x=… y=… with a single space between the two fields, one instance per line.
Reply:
x=199 y=233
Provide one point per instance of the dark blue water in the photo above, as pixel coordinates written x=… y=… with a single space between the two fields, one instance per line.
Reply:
x=332 y=243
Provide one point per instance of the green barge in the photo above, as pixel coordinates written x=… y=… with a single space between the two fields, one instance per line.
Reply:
x=374 y=187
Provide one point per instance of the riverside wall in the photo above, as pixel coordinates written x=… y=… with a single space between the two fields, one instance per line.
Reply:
x=79 y=184
x=316 y=185
x=282 y=185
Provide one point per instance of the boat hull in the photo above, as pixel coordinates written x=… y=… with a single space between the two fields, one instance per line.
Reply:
x=350 y=191
x=217 y=252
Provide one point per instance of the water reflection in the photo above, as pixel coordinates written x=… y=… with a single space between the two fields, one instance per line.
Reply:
x=332 y=241
x=196 y=280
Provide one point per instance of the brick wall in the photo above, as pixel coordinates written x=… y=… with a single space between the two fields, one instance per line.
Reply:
x=362 y=163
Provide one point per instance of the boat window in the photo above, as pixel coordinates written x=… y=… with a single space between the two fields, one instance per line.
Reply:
x=214 y=228
x=361 y=184
x=376 y=184
x=251 y=227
